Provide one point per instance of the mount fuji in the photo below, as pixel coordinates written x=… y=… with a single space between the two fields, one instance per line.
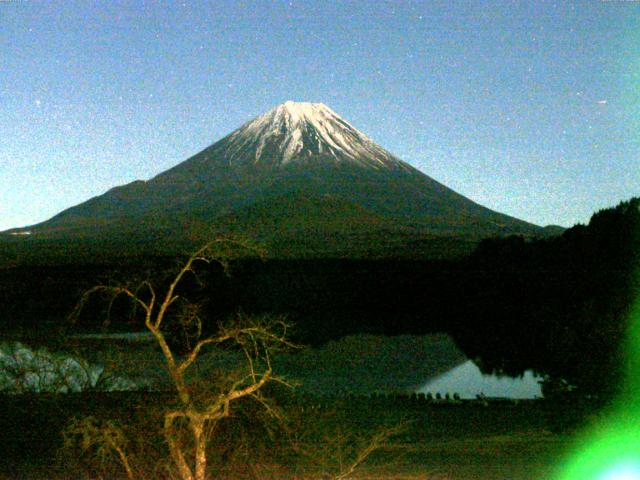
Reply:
x=299 y=178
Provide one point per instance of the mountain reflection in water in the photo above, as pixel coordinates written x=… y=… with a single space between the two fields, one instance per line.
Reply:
x=468 y=381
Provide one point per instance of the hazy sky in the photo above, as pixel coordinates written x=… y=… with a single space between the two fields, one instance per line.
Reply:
x=531 y=108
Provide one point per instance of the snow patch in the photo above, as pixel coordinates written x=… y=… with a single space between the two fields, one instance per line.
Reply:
x=298 y=130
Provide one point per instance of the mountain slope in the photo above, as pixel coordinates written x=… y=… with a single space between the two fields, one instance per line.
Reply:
x=302 y=152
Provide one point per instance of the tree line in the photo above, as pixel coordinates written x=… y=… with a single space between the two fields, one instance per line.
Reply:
x=560 y=306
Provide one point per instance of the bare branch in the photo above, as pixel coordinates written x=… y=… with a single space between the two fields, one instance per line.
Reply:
x=235 y=394
x=174 y=449
x=193 y=355
x=257 y=338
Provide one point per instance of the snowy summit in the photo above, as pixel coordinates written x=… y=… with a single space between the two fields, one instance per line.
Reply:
x=302 y=131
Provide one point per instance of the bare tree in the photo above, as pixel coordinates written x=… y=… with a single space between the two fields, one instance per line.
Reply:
x=257 y=338
x=340 y=449
x=105 y=438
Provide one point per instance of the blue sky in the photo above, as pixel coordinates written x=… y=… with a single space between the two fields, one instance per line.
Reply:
x=531 y=108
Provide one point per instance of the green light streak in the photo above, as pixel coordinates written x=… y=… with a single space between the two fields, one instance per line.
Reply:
x=611 y=450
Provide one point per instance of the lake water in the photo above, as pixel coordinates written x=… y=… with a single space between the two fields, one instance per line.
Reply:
x=360 y=364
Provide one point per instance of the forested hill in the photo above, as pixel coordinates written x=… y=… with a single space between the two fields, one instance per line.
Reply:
x=324 y=298
x=560 y=306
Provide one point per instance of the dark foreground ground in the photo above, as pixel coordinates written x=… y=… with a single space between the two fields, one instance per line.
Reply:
x=468 y=440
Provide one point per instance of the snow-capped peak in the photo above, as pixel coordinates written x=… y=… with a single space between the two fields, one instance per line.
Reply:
x=301 y=131
x=301 y=111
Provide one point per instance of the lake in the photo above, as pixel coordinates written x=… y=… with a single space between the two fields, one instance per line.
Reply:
x=359 y=364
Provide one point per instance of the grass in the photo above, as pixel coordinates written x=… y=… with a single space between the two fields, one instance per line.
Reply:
x=523 y=457
x=452 y=442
